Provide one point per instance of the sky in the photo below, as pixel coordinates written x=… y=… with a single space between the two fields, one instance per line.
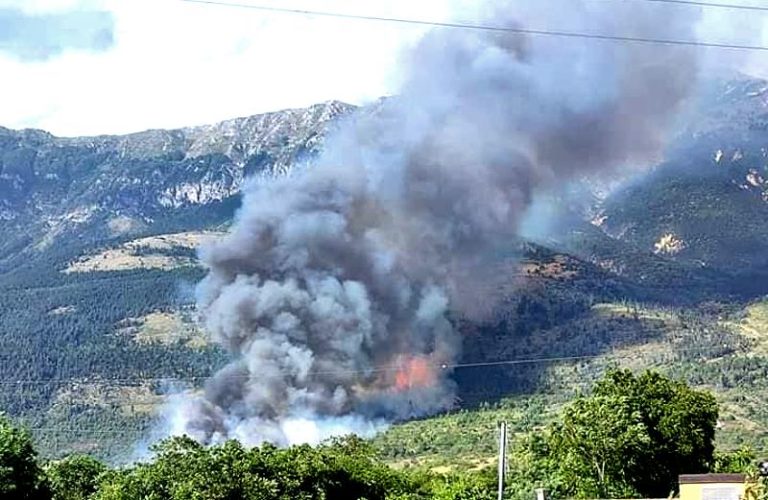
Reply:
x=89 y=67
x=118 y=66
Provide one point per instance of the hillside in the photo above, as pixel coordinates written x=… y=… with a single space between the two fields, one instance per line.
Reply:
x=98 y=264
x=98 y=268
x=82 y=191
x=719 y=350
x=706 y=203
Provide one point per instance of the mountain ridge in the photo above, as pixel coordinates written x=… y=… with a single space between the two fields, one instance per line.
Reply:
x=50 y=186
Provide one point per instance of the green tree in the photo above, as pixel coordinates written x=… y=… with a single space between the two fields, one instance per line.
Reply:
x=464 y=487
x=343 y=469
x=598 y=443
x=186 y=470
x=20 y=474
x=633 y=436
x=680 y=422
x=75 y=478
x=743 y=461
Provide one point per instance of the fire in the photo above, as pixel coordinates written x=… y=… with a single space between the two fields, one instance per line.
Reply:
x=414 y=371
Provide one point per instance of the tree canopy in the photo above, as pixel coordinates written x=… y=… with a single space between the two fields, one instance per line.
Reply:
x=20 y=475
x=76 y=477
x=633 y=436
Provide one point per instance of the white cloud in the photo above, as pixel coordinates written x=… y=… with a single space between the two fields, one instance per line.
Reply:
x=177 y=64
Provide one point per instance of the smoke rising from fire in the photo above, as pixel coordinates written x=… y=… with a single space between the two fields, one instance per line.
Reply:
x=332 y=290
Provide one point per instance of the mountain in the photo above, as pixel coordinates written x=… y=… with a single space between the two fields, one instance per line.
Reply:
x=98 y=267
x=707 y=203
x=110 y=186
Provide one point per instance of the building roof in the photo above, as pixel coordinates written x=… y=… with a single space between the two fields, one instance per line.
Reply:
x=711 y=478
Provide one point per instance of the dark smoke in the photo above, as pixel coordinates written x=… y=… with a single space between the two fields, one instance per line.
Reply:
x=332 y=290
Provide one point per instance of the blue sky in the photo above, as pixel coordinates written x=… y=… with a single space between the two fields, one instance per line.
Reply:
x=31 y=36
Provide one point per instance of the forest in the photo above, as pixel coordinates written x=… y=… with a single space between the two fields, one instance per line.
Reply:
x=630 y=437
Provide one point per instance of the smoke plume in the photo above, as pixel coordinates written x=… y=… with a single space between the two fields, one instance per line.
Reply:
x=333 y=288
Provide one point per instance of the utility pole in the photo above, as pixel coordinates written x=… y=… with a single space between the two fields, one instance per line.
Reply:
x=502 y=457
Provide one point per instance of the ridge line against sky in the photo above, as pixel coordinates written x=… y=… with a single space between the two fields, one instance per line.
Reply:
x=188 y=65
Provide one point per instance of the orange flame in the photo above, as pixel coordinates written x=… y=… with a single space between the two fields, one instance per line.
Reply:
x=414 y=371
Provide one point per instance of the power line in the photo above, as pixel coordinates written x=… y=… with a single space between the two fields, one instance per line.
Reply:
x=105 y=431
x=444 y=366
x=694 y=3
x=498 y=29
x=453 y=366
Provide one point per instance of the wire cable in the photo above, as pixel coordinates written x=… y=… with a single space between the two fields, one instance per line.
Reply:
x=693 y=3
x=498 y=29
x=452 y=366
x=711 y=351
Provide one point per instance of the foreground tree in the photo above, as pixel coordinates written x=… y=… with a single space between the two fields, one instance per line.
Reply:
x=633 y=437
x=20 y=475
x=186 y=470
x=344 y=469
x=75 y=477
x=742 y=461
x=477 y=487
x=598 y=444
